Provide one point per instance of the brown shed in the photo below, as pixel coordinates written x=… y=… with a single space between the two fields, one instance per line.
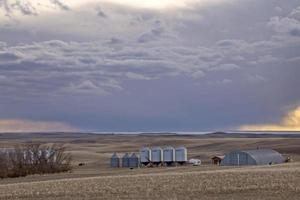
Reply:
x=216 y=160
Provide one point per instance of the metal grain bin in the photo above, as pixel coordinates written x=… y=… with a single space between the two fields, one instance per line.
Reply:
x=125 y=160
x=114 y=161
x=168 y=155
x=181 y=155
x=134 y=161
x=145 y=155
x=157 y=155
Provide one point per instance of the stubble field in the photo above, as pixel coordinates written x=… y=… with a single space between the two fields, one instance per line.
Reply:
x=96 y=181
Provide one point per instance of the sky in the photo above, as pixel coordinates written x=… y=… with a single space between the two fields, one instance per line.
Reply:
x=153 y=65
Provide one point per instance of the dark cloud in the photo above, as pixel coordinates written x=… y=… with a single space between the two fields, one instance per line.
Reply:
x=114 y=41
x=295 y=32
x=153 y=34
x=202 y=67
x=25 y=7
x=101 y=13
x=7 y=57
x=61 y=4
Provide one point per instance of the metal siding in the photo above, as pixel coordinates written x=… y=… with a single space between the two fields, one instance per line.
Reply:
x=125 y=160
x=157 y=155
x=252 y=157
x=114 y=161
x=145 y=155
x=181 y=154
x=169 y=154
x=134 y=161
x=265 y=156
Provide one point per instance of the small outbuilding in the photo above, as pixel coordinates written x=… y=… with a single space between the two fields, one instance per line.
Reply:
x=114 y=161
x=252 y=157
x=216 y=160
x=134 y=161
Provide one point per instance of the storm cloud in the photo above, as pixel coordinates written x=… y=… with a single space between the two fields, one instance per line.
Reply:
x=108 y=66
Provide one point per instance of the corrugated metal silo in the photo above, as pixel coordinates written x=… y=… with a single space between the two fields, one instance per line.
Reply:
x=145 y=155
x=181 y=155
x=114 y=161
x=157 y=155
x=134 y=161
x=168 y=155
x=125 y=160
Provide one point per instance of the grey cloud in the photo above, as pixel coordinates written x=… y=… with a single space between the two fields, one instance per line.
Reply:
x=101 y=13
x=2 y=45
x=142 y=59
x=61 y=4
x=295 y=32
x=278 y=9
x=114 y=41
x=9 y=57
x=285 y=25
x=295 y=14
x=198 y=74
x=25 y=7
x=86 y=87
x=229 y=43
x=256 y=78
x=225 y=67
x=77 y=65
x=151 y=35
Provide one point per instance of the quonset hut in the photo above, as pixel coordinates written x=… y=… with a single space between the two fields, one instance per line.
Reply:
x=252 y=157
x=114 y=161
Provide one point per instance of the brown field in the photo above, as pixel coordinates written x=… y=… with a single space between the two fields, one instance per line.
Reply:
x=96 y=181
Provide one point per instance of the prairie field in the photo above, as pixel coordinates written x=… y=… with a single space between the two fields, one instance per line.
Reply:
x=277 y=182
x=95 y=180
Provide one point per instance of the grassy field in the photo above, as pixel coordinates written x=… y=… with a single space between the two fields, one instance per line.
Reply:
x=96 y=180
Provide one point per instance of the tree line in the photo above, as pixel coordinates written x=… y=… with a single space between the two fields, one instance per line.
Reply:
x=31 y=159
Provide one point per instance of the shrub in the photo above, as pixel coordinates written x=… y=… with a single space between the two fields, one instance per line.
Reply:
x=34 y=159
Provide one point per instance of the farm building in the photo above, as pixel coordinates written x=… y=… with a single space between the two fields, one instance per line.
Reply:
x=181 y=155
x=125 y=160
x=252 y=157
x=134 y=161
x=157 y=155
x=145 y=155
x=169 y=155
x=114 y=161
x=216 y=160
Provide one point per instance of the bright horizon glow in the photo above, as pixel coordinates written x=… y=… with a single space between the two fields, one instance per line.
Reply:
x=290 y=122
x=152 y=4
x=21 y=125
x=145 y=4
x=161 y=4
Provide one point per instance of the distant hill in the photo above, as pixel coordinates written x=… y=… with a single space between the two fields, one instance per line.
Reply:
x=252 y=135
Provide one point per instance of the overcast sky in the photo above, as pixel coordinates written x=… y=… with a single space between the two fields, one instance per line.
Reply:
x=153 y=65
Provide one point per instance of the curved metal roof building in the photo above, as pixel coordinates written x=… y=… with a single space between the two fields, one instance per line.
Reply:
x=252 y=157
